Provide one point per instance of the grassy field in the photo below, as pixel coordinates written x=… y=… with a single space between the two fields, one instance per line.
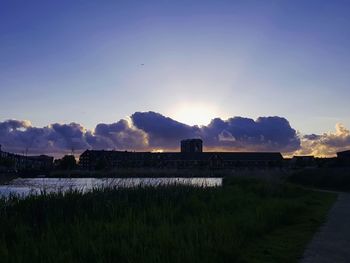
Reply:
x=337 y=179
x=244 y=221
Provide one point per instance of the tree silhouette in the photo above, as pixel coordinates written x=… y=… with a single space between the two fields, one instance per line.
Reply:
x=68 y=162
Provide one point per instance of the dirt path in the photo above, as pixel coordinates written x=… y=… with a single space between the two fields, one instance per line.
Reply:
x=332 y=243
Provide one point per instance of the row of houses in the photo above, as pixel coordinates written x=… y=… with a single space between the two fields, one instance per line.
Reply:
x=192 y=156
x=91 y=160
x=21 y=162
x=96 y=160
x=342 y=160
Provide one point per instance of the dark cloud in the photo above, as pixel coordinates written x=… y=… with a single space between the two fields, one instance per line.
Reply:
x=264 y=134
x=11 y=134
x=150 y=130
x=20 y=136
x=12 y=125
x=163 y=131
x=311 y=137
x=68 y=136
x=119 y=135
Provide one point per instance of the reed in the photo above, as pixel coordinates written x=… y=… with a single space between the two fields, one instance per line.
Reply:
x=160 y=224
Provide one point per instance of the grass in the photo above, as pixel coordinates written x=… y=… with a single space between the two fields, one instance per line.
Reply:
x=164 y=172
x=244 y=221
x=326 y=178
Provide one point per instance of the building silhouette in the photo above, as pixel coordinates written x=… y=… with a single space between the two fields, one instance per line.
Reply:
x=192 y=146
x=344 y=158
x=24 y=162
x=191 y=156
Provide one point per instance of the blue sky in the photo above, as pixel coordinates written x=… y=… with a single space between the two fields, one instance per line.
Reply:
x=81 y=61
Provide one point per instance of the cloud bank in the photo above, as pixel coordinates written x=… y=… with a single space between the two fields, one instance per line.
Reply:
x=326 y=144
x=146 y=131
x=264 y=134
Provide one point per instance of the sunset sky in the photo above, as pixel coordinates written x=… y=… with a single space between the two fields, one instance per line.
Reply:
x=117 y=69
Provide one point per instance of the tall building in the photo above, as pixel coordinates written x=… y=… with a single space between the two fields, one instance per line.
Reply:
x=344 y=155
x=344 y=158
x=192 y=146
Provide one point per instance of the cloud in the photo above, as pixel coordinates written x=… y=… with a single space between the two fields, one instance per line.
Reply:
x=162 y=131
x=264 y=134
x=146 y=131
x=119 y=135
x=20 y=136
x=327 y=144
x=13 y=125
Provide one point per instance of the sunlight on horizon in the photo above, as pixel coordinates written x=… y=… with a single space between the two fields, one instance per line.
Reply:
x=195 y=114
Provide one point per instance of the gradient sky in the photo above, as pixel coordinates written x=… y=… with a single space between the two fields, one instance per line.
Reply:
x=81 y=61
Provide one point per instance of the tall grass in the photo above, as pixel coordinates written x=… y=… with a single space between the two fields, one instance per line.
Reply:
x=163 y=224
x=168 y=172
x=327 y=178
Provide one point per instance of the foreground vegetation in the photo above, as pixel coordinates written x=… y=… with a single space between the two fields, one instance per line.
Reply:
x=333 y=178
x=166 y=172
x=244 y=221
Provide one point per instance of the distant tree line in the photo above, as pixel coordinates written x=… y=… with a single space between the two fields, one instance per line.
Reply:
x=68 y=162
x=7 y=162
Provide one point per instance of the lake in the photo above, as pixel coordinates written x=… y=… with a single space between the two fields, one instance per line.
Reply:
x=23 y=187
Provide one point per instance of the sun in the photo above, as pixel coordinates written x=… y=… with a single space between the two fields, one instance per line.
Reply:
x=194 y=114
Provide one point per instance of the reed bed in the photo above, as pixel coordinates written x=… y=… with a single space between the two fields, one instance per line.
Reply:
x=161 y=224
x=168 y=172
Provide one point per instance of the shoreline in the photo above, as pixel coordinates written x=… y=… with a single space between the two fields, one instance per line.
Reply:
x=4 y=179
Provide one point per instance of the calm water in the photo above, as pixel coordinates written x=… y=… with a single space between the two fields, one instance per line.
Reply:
x=24 y=187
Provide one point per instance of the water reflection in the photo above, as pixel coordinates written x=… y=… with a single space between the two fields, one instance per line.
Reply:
x=24 y=187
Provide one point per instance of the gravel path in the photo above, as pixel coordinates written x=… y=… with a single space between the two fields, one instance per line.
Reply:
x=332 y=243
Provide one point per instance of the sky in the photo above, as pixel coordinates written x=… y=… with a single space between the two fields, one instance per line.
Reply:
x=102 y=62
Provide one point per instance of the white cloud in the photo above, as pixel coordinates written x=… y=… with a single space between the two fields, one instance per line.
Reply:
x=327 y=144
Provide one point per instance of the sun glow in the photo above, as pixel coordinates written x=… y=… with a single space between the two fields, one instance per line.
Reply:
x=195 y=114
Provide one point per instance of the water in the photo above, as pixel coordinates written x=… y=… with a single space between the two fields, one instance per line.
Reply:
x=33 y=186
